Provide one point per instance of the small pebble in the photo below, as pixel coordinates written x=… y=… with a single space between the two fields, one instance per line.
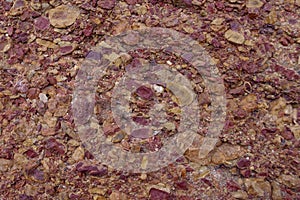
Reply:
x=158 y=88
x=43 y=97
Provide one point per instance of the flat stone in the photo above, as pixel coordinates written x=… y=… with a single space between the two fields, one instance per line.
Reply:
x=43 y=97
x=258 y=187
x=217 y=21
x=63 y=16
x=254 y=4
x=141 y=133
x=67 y=48
x=234 y=37
x=41 y=23
x=46 y=43
x=227 y=152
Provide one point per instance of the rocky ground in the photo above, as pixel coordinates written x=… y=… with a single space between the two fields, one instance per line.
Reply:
x=255 y=45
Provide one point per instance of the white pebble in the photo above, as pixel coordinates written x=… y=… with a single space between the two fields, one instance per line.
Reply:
x=43 y=97
x=169 y=62
x=158 y=88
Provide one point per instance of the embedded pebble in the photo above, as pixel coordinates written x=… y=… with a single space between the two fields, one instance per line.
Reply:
x=43 y=97
x=258 y=187
x=254 y=4
x=42 y=23
x=5 y=44
x=234 y=37
x=63 y=16
x=158 y=89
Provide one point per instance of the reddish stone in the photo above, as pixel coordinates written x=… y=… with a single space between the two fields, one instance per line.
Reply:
x=52 y=80
x=287 y=134
x=6 y=153
x=66 y=49
x=243 y=163
x=219 y=5
x=156 y=194
x=42 y=23
x=145 y=92
x=182 y=185
x=25 y=197
x=142 y=133
x=98 y=172
x=39 y=175
x=91 y=170
x=110 y=129
x=232 y=186
x=154 y=143
x=245 y=173
x=53 y=146
x=131 y=2
x=140 y=120
x=88 y=155
x=88 y=30
x=107 y=4
x=31 y=153
x=33 y=93
x=207 y=182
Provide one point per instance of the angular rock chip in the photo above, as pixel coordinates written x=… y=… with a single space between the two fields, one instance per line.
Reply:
x=234 y=37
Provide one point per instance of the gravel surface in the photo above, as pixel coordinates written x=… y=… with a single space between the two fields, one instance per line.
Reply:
x=49 y=49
